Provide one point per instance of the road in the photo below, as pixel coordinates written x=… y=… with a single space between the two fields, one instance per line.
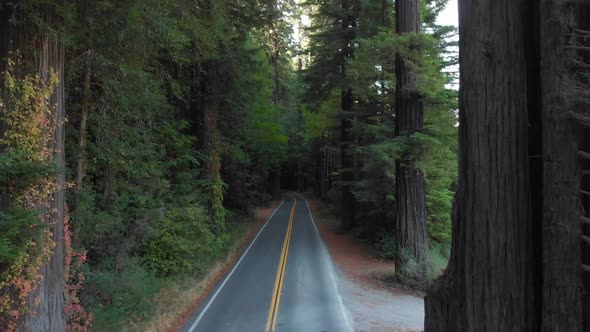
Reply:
x=285 y=281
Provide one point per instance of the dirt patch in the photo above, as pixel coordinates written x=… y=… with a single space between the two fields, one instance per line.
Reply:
x=374 y=304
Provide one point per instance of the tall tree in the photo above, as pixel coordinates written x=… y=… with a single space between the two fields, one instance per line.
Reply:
x=347 y=35
x=411 y=236
x=489 y=284
x=45 y=196
x=520 y=99
x=562 y=299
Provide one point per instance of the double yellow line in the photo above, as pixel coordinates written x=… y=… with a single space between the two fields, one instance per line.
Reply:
x=276 y=295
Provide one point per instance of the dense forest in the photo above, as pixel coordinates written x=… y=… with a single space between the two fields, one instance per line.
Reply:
x=138 y=136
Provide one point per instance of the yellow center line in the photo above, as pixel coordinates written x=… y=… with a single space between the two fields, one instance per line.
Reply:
x=276 y=296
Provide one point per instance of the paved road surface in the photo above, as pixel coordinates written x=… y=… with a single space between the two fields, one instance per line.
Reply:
x=283 y=282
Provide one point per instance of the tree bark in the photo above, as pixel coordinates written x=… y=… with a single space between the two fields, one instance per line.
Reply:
x=411 y=236
x=48 y=315
x=489 y=283
x=562 y=304
x=80 y=172
x=82 y=128
x=582 y=16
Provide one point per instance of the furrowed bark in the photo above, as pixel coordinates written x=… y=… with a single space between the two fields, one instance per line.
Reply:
x=49 y=314
x=562 y=303
x=489 y=283
x=411 y=237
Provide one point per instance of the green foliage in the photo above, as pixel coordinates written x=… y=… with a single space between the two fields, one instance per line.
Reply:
x=27 y=181
x=18 y=227
x=151 y=207
x=174 y=249
x=386 y=246
x=120 y=295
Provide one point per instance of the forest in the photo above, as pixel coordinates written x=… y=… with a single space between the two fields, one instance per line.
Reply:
x=138 y=138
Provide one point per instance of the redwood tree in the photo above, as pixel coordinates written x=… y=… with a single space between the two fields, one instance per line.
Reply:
x=510 y=270
x=489 y=283
x=45 y=295
x=410 y=228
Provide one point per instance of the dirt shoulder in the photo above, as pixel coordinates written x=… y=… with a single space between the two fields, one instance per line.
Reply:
x=374 y=305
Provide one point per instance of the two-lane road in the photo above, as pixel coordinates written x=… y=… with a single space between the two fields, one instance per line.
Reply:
x=284 y=281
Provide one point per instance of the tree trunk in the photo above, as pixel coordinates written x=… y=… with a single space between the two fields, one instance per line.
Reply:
x=582 y=16
x=300 y=184
x=489 y=283
x=80 y=172
x=82 y=128
x=347 y=102
x=48 y=315
x=275 y=183
x=561 y=211
x=411 y=236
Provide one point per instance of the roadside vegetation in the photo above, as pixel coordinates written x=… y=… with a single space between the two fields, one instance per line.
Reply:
x=137 y=137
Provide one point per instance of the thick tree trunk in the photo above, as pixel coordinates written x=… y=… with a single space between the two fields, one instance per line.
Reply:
x=582 y=15
x=562 y=305
x=48 y=315
x=347 y=103
x=411 y=236
x=489 y=284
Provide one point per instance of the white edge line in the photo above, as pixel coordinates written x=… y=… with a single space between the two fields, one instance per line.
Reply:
x=332 y=277
x=198 y=319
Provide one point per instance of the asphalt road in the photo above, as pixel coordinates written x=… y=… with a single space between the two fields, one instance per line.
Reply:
x=284 y=281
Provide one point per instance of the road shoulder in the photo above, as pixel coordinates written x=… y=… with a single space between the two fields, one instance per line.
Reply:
x=375 y=306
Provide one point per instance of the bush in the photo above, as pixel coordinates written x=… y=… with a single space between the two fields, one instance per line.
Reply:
x=439 y=259
x=386 y=246
x=115 y=297
x=184 y=243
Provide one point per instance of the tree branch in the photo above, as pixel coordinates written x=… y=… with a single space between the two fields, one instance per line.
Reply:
x=586 y=268
x=586 y=239
x=584 y=155
x=585 y=220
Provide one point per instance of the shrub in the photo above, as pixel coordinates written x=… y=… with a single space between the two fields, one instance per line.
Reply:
x=185 y=242
x=386 y=246
x=118 y=296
